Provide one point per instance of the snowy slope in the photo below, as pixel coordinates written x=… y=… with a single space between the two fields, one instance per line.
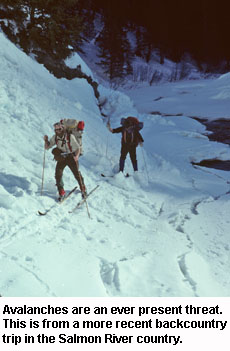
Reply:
x=199 y=98
x=162 y=232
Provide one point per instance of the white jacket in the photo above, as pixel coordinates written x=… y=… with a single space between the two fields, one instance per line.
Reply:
x=67 y=143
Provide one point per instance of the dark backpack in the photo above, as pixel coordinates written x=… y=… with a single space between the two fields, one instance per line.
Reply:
x=132 y=122
x=57 y=154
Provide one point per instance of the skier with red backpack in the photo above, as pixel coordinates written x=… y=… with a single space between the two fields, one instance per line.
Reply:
x=131 y=138
x=66 y=153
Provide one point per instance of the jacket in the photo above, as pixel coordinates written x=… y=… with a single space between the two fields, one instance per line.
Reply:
x=67 y=143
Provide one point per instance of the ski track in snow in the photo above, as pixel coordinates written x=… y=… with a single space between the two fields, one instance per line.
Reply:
x=149 y=217
x=110 y=270
x=178 y=222
x=30 y=271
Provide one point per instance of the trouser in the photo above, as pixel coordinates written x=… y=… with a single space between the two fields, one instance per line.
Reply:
x=125 y=149
x=74 y=167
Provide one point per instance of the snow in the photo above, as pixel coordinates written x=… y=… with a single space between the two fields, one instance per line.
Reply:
x=75 y=60
x=204 y=98
x=161 y=232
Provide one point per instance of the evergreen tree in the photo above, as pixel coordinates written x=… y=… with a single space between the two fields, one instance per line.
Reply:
x=87 y=13
x=51 y=27
x=144 y=44
x=114 y=50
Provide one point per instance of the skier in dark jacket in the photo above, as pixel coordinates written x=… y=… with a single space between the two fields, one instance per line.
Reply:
x=130 y=139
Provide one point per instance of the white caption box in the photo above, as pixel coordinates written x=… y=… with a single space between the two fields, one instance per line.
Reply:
x=124 y=323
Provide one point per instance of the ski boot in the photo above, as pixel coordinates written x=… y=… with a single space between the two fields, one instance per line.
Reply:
x=61 y=194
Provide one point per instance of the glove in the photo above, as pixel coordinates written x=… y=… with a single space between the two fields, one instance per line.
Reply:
x=76 y=155
x=108 y=126
x=46 y=141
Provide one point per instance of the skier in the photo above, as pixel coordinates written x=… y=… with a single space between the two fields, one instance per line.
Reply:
x=131 y=138
x=66 y=153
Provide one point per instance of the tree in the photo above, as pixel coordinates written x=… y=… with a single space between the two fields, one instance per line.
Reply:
x=114 y=49
x=144 y=44
x=51 y=27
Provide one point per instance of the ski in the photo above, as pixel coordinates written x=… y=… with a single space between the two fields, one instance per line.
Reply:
x=112 y=176
x=60 y=202
x=83 y=200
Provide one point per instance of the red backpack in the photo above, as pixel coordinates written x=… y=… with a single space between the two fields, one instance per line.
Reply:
x=132 y=121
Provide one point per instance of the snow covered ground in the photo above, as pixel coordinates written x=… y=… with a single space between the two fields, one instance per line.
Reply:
x=161 y=232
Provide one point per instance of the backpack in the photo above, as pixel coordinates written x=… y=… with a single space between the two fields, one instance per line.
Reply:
x=132 y=122
x=75 y=127
x=72 y=125
x=57 y=154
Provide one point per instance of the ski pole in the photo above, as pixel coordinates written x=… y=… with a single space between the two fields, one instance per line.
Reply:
x=86 y=203
x=107 y=142
x=106 y=150
x=145 y=165
x=43 y=170
x=87 y=208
